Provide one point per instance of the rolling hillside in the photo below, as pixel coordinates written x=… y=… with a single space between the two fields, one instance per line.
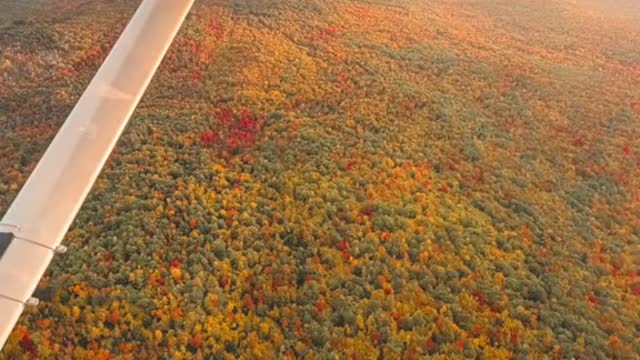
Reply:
x=343 y=179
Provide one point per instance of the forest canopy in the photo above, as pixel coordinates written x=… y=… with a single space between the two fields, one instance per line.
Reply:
x=343 y=179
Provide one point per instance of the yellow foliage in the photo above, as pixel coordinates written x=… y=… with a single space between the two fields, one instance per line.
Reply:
x=497 y=354
x=176 y=274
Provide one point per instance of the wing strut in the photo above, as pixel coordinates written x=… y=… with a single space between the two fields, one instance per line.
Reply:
x=35 y=224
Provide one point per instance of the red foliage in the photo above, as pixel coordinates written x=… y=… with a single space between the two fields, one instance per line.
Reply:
x=578 y=142
x=626 y=150
x=592 y=299
x=26 y=344
x=397 y=316
x=196 y=341
x=615 y=270
x=193 y=45
x=175 y=264
x=515 y=337
x=214 y=29
x=107 y=257
x=299 y=327
x=114 y=317
x=368 y=211
x=225 y=116
x=477 y=329
x=636 y=289
x=342 y=245
x=349 y=165
x=233 y=130
x=450 y=166
x=325 y=34
x=156 y=281
x=196 y=76
x=330 y=30
x=321 y=306
x=376 y=337
x=479 y=297
x=431 y=344
x=208 y=137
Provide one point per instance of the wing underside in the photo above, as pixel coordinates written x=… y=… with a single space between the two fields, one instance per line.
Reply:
x=33 y=227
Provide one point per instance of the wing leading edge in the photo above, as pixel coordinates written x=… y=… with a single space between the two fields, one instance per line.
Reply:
x=35 y=224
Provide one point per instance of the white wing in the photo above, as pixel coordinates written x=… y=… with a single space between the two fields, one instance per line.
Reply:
x=33 y=227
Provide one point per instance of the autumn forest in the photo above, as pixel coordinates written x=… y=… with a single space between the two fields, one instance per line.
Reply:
x=342 y=179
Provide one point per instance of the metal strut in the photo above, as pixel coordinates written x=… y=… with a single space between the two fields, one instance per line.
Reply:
x=6 y=238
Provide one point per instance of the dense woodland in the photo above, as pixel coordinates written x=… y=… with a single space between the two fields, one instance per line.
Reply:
x=337 y=179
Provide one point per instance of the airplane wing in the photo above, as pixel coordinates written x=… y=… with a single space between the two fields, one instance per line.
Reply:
x=33 y=227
